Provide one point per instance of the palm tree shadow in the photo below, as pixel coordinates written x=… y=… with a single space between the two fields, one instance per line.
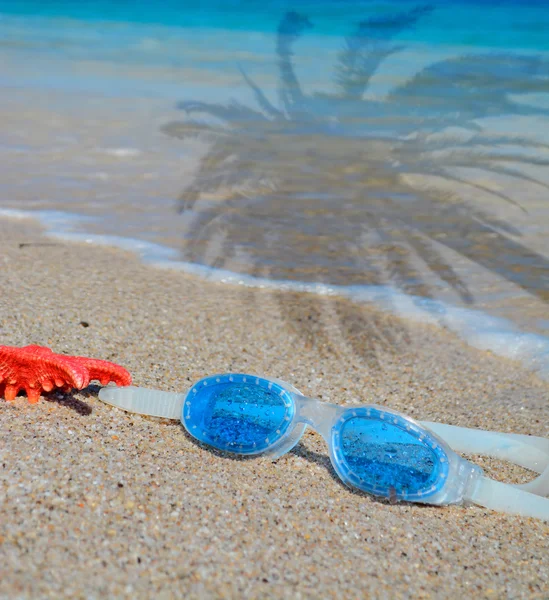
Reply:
x=317 y=188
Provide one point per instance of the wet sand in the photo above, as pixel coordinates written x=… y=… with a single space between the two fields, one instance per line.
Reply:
x=95 y=502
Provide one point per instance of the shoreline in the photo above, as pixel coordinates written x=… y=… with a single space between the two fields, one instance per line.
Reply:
x=478 y=328
x=98 y=501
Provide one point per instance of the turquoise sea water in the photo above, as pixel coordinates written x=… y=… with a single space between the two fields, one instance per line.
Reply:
x=392 y=152
x=489 y=23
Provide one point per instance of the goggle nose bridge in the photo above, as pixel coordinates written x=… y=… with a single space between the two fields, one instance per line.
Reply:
x=319 y=415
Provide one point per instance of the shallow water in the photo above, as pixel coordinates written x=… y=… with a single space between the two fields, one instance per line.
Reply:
x=404 y=165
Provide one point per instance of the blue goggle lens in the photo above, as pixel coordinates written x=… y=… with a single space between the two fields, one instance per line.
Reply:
x=386 y=460
x=241 y=414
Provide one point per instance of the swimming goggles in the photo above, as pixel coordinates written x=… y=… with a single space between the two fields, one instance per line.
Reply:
x=372 y=448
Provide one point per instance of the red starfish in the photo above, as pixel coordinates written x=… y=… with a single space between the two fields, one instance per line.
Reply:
x=36 y=368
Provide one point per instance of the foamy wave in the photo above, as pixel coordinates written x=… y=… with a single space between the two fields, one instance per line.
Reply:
x=120 y=152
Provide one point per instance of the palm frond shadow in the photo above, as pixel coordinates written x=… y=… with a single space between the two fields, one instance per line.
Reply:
x=322 y=181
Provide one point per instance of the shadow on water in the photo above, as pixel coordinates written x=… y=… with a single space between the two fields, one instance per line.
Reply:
x=344 y=188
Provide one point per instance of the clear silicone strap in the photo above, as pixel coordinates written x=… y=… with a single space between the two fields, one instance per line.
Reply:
x=509 y=498
x=527 y=451
x=540 y=485
x=532 y=452
x=524 y=450
x=143 y=401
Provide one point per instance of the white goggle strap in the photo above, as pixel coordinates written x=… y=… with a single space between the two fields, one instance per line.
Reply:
x=143 y=401
x=509 y=498
x=524 y=450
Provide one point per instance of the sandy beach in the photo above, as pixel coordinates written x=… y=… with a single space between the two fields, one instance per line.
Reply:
x=95 y=502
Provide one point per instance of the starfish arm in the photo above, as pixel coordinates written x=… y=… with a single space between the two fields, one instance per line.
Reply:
x=57 y=370
x=105 y=371
x=35 y=369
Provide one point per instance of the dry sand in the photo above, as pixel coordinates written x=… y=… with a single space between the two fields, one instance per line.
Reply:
x=95 y=502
